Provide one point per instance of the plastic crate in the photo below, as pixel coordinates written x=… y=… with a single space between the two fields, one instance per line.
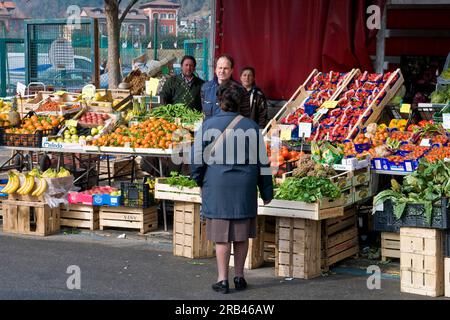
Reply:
x=136 y=194
x=413 y=216
x=106 y=200
x=438 y=116
x=24 y=140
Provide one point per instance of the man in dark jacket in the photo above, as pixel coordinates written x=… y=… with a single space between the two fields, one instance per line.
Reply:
x=184 y=88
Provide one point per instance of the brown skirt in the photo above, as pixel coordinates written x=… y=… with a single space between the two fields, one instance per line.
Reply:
x=220 y=230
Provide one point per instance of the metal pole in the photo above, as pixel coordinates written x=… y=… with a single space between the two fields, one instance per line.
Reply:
x=155 y=40
x=3 y=59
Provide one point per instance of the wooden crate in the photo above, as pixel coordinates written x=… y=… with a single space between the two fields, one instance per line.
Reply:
x=117 y=166
x=298 y=248
x=390 y=245
x=30 y=218
x=339 y=238
x=269 y=239
x=255 y=255
x=422 y=261
x=361 y=176
x=296 y=209
x=80 y=216
x=189 y=233
x=164 y=191
x=143 y=219
x=447 y=276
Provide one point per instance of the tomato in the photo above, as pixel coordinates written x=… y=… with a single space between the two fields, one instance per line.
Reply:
x=293 y=155
x=285 y=153
x=280 y=159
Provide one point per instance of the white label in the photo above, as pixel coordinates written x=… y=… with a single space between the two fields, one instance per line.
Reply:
x=425 y=143
x=379 y=207
x=446 y=119
x=21 y=88
x=378 y=165
x=323 y=111
x=408 y=166
x=304 y=128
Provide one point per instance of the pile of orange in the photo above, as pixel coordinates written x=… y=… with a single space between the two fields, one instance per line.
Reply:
x=34 y=123
x=152 y=133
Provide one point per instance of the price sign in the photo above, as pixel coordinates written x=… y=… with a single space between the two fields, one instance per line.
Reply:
x=425 y=143
x=88 y=91
x=21 y=88
x=151 y=86
x=405 y=108
x=446 y=120
x=304 y=128
x=71 y=123
x=286 y=133
x=330 y=104
x=322 y=111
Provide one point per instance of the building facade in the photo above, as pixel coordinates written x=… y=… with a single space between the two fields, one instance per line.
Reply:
x=167 y=14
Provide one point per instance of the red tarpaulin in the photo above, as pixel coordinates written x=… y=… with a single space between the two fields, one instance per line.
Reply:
x=286 y=39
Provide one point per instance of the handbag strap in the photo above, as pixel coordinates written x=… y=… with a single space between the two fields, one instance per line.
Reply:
x=219 y=140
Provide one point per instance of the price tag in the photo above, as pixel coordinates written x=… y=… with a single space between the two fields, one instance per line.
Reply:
x=71 y=123
x=405 y=108
x=425 y=143
x=286 y=133
x=379 y=207
x=322 y=111
x=330 y=104
x=304 y=128
x=446 y=120
x=88 y=91
x=151 y=86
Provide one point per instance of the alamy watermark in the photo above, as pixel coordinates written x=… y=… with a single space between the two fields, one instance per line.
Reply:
x=374 y=280
x=74 y=17
x=374 y=20
x=74 y=280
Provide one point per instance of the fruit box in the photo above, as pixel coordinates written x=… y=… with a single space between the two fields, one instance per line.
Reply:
x=106 y=200
x=80 y=198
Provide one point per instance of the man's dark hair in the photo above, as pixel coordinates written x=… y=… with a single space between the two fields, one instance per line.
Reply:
x=251 y=69
x=190 y=58
x=229 y=96
x=228 y=57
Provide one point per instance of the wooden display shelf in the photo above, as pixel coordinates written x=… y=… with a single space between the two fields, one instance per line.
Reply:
x=143 y=219
x=164 y=191
x=30 y=218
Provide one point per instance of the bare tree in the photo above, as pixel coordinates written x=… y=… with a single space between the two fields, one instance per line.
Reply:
x=113 y=23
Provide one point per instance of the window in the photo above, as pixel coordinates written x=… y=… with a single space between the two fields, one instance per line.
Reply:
x=171 y=16
x=163 y=16
x=155 y=16
x=171 y=29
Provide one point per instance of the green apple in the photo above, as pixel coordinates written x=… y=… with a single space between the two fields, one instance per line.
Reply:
x=73 y=130
x=67 y=140
x=94 y=131
x=60 y=140
x=67 y=133
x=100 y=128
x=89 y=138
x=82 y=137
x=74 y=137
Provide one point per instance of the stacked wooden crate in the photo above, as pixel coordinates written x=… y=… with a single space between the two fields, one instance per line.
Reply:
x=80 y=216
x=390 y=245
x=339 y=238
x=269 y=239
x=142 y=219
x=422 y=261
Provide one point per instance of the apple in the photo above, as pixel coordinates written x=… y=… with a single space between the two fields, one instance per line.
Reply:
x=73 y=130
x=94 y=131
x=60 y=140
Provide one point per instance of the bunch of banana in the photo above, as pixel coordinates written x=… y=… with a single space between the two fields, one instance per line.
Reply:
x=13 y=183
x=42 y=186
x=63 y=172
x=151 y=184
x=27 y=186
x=49 y=173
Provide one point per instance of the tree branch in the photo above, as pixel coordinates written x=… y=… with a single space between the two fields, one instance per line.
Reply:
x=127 y=9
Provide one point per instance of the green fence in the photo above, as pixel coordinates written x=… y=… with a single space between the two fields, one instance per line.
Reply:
x=60 y=54
x=199 y=50
x=12 y=65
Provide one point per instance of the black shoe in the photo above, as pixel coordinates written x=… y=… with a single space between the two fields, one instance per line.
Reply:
x=240 y=283
x=221 y=286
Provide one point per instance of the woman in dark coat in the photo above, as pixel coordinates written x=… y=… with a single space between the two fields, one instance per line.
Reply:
x=229 y=182
x=257 y=103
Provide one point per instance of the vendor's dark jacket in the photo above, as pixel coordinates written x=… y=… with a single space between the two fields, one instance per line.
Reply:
x=255 y=107
x=210 y=104
x=230 y=190
x=175 y=90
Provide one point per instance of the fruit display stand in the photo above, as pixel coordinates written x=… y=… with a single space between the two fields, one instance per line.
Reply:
x=421 y=261
x=80 y=216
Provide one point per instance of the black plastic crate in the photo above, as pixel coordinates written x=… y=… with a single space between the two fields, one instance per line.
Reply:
x=136 y=194
x=413 y=216
x=385 y=221
x=447 y=243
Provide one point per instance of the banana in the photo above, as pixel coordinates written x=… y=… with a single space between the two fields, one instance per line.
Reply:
x=25 y=185
x=9 y=184
x=15 y=182
x=41 y=189
x=30 y=185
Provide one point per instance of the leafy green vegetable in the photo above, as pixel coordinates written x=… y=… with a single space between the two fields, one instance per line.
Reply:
x=178 y=180
x=171 y=112
x=307 y=189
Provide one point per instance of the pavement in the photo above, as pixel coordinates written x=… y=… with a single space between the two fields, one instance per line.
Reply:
x=124 y=266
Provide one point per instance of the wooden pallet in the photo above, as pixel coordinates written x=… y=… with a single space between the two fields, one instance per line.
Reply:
x=390 y=245
x=189 y=233
x=339 y=238
x=80 y=216
x=324 y=209
x=255 y=255
x=164 y=191
x=143 y=219
x=447 y=276
x=422 y=261
x=30 y=218
x=298 y=248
